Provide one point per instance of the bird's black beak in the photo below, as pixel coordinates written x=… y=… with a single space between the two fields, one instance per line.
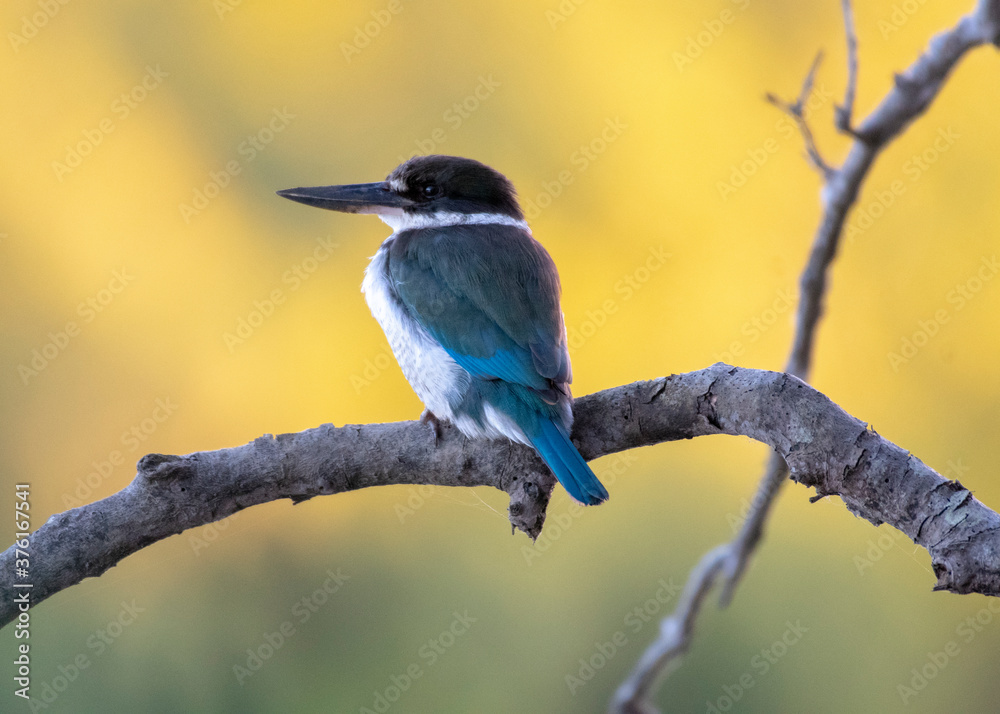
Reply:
x=353 y=198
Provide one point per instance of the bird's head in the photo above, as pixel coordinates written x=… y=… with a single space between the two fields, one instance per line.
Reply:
x=420 y=191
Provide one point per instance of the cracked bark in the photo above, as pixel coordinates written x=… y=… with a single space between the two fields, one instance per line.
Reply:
x=824 y=447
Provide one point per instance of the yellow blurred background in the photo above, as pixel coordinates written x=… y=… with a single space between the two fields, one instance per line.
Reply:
x=143 y=145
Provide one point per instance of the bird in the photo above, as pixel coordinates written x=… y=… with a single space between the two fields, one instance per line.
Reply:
x=470 y=304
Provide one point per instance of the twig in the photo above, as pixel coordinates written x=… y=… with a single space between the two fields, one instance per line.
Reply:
x=796 y=110
x=844 y=113
x=912 y=94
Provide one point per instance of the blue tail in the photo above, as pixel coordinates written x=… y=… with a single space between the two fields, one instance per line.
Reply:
x=558 y=452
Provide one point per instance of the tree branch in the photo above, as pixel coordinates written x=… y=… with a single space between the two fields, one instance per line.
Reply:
x=825 y=447
x=913 y=93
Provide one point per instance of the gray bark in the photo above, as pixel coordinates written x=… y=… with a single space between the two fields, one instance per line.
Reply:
x=824 y=447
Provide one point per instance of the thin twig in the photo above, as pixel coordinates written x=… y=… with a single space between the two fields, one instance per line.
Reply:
x=844 y=113
x=796 y=110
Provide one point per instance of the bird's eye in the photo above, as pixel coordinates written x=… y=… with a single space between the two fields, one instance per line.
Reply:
x=430 y=190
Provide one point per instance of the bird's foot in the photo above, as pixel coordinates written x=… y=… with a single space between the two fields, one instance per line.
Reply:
x=428 y=418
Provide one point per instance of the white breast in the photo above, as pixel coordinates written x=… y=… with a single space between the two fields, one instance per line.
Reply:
x=435 y=377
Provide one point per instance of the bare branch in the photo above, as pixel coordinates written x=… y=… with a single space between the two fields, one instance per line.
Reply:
x=914 y=91
x=912 y=94
x=753 y=526
x=825 y=448
x=675 y=635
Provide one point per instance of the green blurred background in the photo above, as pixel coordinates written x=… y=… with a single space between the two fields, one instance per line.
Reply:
x=149 y=220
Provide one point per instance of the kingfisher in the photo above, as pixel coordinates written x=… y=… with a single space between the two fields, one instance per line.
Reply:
x=469 y=302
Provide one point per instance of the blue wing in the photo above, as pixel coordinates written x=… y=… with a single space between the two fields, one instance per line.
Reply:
x=489 y=294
